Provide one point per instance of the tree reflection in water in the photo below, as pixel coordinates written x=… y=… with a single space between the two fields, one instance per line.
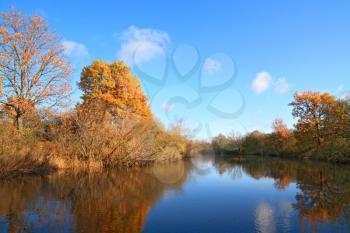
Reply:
x=116 y=201
x=324 y=189
x=120 y=200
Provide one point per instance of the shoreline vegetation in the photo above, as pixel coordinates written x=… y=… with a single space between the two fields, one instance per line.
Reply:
x=113 y=125
x=322 y=132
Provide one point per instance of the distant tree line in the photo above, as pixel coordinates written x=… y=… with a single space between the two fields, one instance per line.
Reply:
x=322 y=131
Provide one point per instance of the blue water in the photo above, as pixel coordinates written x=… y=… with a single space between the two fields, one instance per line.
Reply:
x=201 y=195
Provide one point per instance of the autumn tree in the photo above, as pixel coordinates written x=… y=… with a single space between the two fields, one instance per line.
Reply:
x=313 y=111
x=280 y=135
x=33 y=68
x=113 y=85
x=339 y=120
x=280 y=128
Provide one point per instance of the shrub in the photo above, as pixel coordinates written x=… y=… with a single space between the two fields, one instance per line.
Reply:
x=20 y=152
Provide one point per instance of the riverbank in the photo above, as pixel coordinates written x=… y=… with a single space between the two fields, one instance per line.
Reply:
x=35 y=166
x=74 y=140
x=321 y=132
x=298 y=158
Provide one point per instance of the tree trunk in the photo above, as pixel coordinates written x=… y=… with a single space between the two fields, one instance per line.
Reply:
x=18 y=122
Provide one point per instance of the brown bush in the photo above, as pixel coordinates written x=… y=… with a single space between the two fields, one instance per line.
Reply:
x=92 y=134
x=21 y=153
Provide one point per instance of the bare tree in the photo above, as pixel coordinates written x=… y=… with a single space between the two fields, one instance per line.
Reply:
x=33 y=68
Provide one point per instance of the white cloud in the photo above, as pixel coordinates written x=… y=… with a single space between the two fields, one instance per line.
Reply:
x=74 y=49
x=142 y=44
x=211 y=66
x=262 y=82
x=281 y=86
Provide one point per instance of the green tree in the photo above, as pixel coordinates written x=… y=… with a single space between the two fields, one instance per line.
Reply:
x=254 y=143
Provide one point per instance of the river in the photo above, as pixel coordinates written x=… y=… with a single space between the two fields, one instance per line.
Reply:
x=205 y=194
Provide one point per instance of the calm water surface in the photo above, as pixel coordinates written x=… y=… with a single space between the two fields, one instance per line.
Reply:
x=201 y=195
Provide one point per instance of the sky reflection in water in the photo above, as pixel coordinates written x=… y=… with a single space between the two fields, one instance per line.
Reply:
x=201 y=195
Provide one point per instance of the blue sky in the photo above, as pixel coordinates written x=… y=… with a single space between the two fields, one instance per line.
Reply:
x=222 y=66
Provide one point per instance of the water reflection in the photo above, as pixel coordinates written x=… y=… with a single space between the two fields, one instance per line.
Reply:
x=264 y=218
x=323 y=194
x=116 y=201
x=266 y=196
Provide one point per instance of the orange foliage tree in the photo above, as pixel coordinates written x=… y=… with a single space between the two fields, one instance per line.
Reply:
x=339 y=119
x=280 y=128
x=280 y=135
x=313 y=111
x=114 y=86
x=33 y=68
